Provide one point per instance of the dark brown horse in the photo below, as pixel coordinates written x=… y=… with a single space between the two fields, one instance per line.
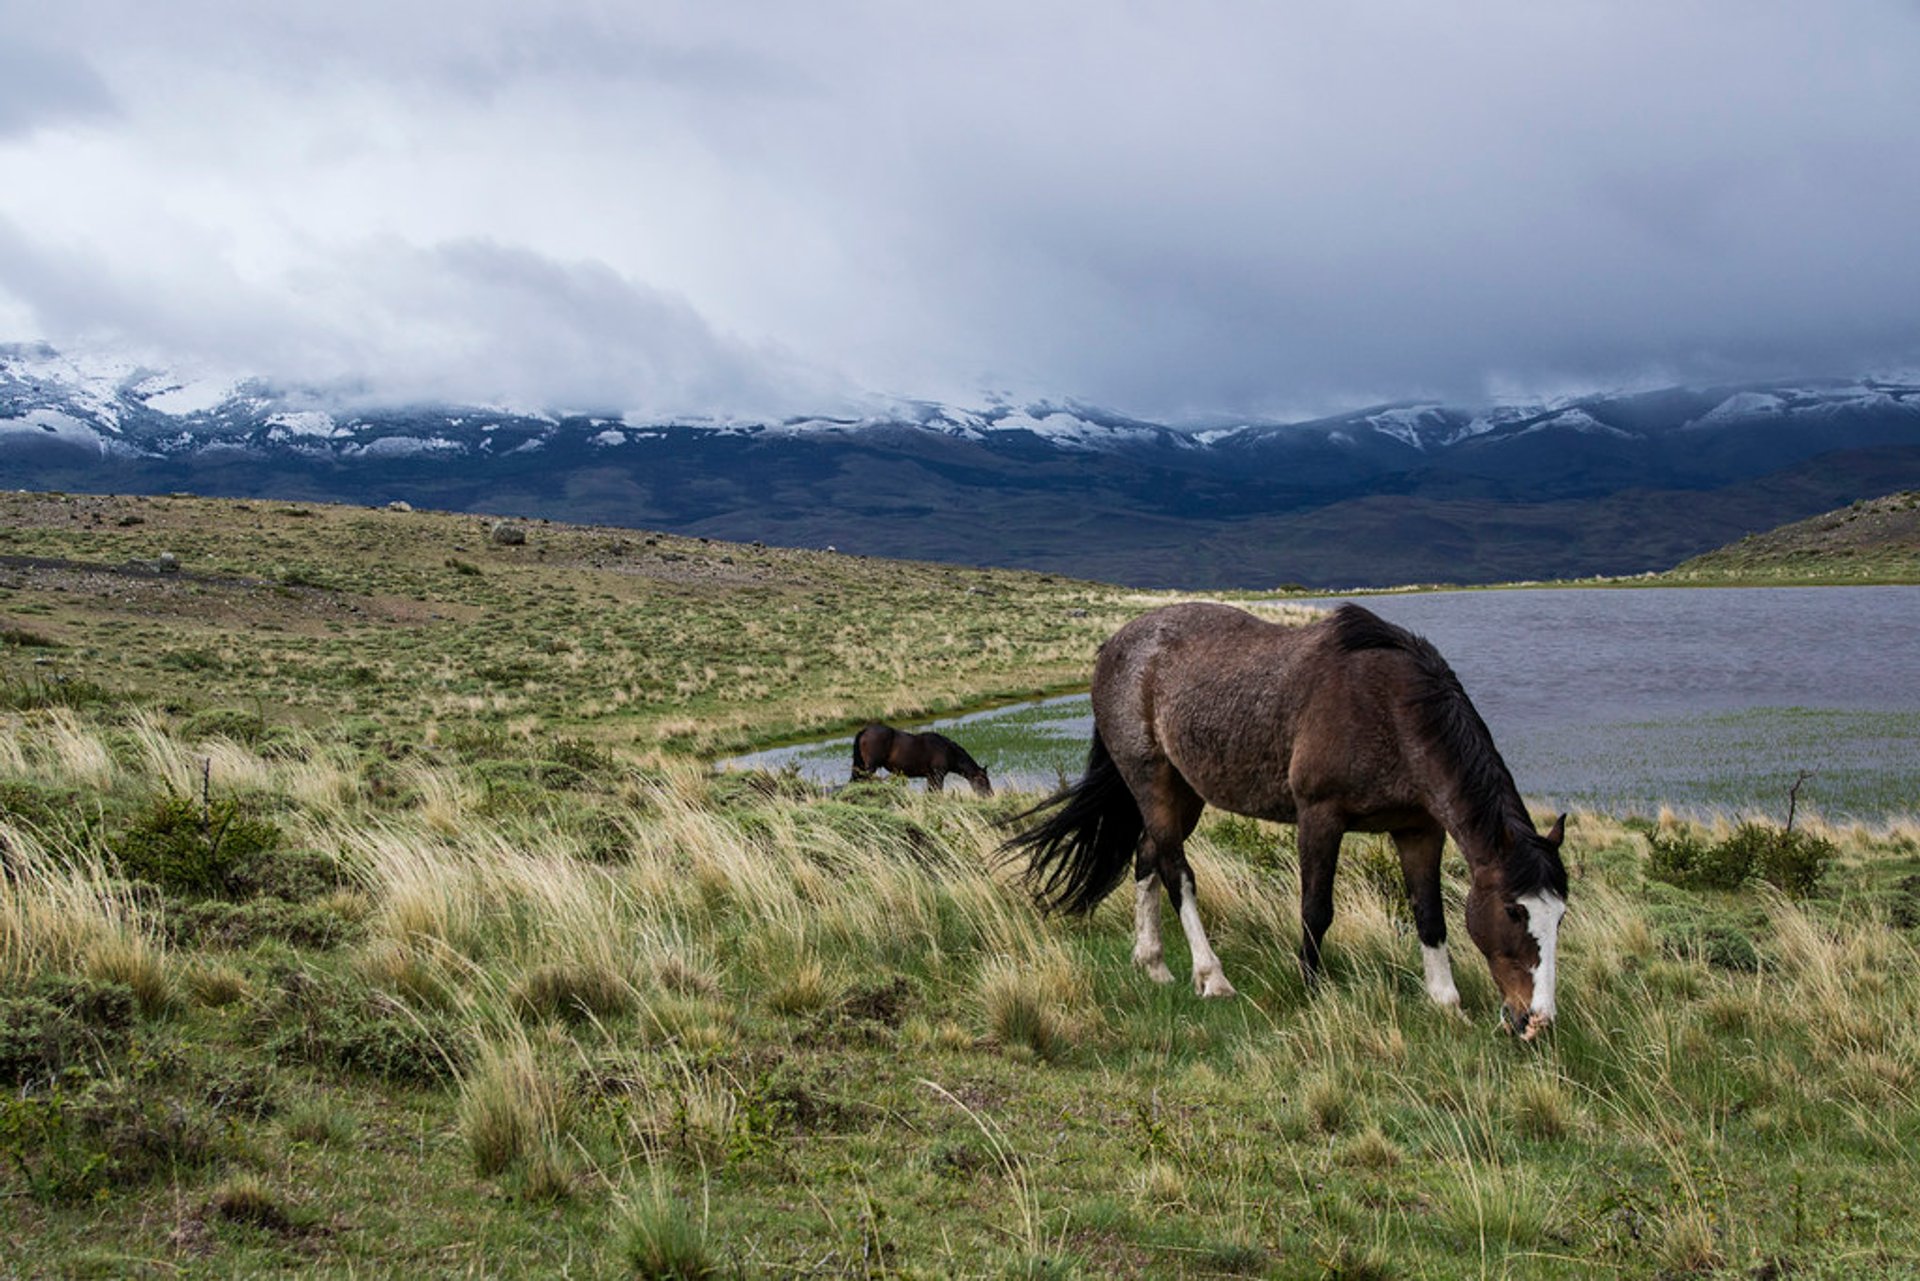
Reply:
x=1348 y=725
x=930 y=756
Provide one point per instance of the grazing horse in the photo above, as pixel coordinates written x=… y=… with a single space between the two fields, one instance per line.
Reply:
x=930 y=756
x=1349 y=724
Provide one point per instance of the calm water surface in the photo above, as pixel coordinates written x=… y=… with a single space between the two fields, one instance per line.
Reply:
x=1624 y=700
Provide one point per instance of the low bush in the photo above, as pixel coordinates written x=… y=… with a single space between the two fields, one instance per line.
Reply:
x=216 y=923
x=1795 y=862
x=334 y=1022
x=36 y=690
x=575 y=992
x=74 y=1147
x=224 y=722
x=57 y=1022
x=184 y=847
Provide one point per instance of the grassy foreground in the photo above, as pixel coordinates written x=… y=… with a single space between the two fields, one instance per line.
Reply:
x=288 y=1009
x=361 y=913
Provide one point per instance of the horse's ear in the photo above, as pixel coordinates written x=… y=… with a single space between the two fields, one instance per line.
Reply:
x=1558 y=832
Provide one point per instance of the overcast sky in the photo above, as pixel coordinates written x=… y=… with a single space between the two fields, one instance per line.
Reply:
x=1181 y=210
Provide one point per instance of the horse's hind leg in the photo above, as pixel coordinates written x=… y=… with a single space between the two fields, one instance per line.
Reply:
x=1170 y=818
x=1420 y=866
x=1147 y=952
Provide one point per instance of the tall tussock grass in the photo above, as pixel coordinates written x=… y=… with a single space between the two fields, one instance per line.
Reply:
x=650 y=979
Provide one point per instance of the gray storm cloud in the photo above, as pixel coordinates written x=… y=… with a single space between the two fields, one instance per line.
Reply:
x=1177 y=210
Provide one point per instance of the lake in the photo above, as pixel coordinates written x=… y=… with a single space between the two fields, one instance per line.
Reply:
x=1624 y=700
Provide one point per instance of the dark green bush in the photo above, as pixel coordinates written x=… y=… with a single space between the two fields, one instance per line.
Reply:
x=224 y=722
x=1724 y=940
x=192 y=660
x=186 y=848
x=45 y=806
x=73 y=1147
x=335 y=1022
x=216 y=923
x=37 y=690
x=574 y=993
x=59 y=1021
x=1794 y=862
x=27 y=638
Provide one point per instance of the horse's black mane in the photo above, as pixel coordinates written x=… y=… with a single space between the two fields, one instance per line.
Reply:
x=1448 y=718
x=960 y=754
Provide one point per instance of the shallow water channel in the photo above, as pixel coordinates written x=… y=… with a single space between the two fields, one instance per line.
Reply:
x=1701 y=699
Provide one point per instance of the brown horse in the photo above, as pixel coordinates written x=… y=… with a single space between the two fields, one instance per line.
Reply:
x=1350 y=724
x=930 y=756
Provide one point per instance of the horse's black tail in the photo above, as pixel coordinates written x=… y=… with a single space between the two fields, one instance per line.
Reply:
x=1076 y=856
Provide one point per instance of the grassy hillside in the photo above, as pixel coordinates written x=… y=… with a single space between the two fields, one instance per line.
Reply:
x=403 y=967
x=374 y=620
x=1875 y=540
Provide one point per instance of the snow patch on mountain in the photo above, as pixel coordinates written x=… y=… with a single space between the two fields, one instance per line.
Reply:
x=1575 y=420
x=302 y=422
x=1745 y=404
x=1413 y=425
x=403 y=447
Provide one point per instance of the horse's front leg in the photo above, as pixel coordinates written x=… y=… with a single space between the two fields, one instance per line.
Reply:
x=1319 y=834
x=937 y=781
x=1420 y=867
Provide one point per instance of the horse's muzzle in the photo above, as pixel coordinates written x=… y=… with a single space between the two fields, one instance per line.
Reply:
x=1523 y=1024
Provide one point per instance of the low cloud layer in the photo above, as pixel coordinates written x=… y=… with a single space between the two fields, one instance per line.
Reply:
x=1185 y=211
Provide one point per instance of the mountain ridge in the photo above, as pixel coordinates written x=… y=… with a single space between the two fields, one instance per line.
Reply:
x=1407 y=491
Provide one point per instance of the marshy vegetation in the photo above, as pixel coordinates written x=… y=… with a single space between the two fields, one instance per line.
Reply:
x=391 y=975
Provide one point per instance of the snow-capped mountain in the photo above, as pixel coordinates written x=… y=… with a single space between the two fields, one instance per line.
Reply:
x=1609 y=483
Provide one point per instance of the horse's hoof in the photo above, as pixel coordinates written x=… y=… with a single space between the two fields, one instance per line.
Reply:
x=1213 y=985
x=1158 y=972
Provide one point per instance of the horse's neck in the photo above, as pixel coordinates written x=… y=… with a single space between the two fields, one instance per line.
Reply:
x=1482 y=824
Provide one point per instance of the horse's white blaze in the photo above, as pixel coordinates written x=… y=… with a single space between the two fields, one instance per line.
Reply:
x=1439 y=975
x=1544 y=911
x=1208 y=978
x=1146 y=929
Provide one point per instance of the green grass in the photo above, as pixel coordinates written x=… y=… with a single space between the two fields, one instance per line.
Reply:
x=1874 y=540
x=403 y=966
x=375 y=623
x=759 y=1026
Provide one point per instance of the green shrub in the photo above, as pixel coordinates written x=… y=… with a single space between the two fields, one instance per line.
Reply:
x=574 y=763
x=184 y=847
x=192 y=659
x=573 y=991
x=217 y=923
x=46 y=806
x=37 y=690
x=1794 y=862
x=74 y=1147
x=333 y=1022
x=27 y=638
x=224 y=722
x=58 y=1021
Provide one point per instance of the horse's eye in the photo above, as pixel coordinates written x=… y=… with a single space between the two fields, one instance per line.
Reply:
x=1518 y=915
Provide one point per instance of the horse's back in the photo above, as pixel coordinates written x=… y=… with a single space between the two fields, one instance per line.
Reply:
x=1245 y=711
